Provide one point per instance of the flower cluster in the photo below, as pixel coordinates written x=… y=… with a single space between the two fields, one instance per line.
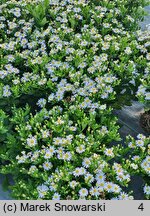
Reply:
x=63 y=157
x=83 y=52
x=64 y=66
x=143 y=92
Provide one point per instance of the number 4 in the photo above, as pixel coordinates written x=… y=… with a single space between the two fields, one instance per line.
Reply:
x=141 y=207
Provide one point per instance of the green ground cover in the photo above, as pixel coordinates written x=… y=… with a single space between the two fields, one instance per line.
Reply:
x=65 y=66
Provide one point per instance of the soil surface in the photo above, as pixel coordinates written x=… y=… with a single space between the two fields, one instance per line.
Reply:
x=146 y=22
x=145 y=121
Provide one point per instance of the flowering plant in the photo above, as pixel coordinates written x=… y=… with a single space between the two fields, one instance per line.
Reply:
x=64 y=66
x=143 y=92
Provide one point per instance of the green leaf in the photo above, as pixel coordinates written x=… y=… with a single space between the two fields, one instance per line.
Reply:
x=72 y=22
x=43 y=22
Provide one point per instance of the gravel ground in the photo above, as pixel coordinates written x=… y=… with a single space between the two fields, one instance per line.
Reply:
x=146 y=20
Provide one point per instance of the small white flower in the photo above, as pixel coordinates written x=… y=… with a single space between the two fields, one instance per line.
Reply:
x=80 y=149
x=35 y=156
x=24 y=41
x=57 y=141
x=59 y=121
x=6 y=93
x=47 y=165
x=102 y=107
x=140 y=143
x=116 y=188
x=32 y=169
x=51 y=97
x=141 y=136
x=123 y=196
x=72 y=128
x=148 y=56
x=67 y=156
x=101 y=186
x=82 y=65
x=100 y=177
x=89 y=178
x=134 y=166
x=147 y=190
x=82 y=171
x=104 y=130
x=48 y=154
x=109 y=152
x=51 y=149
x=119 y=171
x=146 y=165
x=84 y=43
x=56 y=196
x=147 y=96
x=105 y=46
x=131 y=145
x=94 y=191
x=77 y=172
x=42 y=190
x=32 y=141
x=109 y=186
x=45 y=133
x=83 y=192
x=73 y=184
x=86 y=162
x=135 y=158
x=17 y=13
x=128 y=50
x=21 y=159
x=41 y=102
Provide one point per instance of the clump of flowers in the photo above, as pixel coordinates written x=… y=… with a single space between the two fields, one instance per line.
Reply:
x=143 y=92
x=83 y=51
x=66 y=156
x=64 y=66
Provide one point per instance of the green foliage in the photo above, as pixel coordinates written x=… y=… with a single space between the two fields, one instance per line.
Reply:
x=64 y=67
x=39 y=13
